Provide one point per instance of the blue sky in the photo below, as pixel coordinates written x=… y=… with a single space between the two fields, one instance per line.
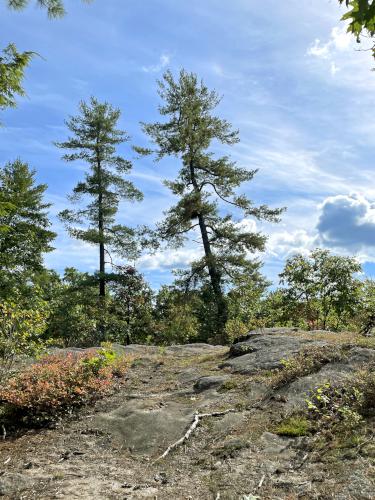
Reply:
x=292 y=81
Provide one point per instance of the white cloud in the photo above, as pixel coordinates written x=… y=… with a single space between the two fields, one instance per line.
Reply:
x=339 y=40
x=334 y=68
x=168 y=259
x=164 y=61
x=249 y=225
x=341 y=53
x=282 y=244
x=319 y=50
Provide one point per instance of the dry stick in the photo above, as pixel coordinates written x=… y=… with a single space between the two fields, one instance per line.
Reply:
x=261 y=481
x=199 y=416
x=193 y=426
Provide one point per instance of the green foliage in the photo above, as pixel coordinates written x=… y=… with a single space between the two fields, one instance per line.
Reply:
x=75 y=316
x=339 y=412
x=322 y=288
x=175 y=321
x=130 y=307
x=276 y=310
x=27 y=236
x=94 y=140
x=55 y=8
x=307 y=361
x=21 y=331
x=245 y=303
x=76 y=312
x=365 y=319
x=294 y=426
x=361 y=17
x=59 y=383
x=12 y=69
x=336 y=406
x=205 y=185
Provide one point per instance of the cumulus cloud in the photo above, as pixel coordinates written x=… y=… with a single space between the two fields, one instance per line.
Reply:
x=246 y=224
x=339 y=41
x=347 y=222
x=164 y=61
x=168 y=259
x=282 y=244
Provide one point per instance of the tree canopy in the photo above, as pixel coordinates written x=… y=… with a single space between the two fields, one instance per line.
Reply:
x=55 y=8
x=94 y=139
x=361 y=17
x=205 y=186
x=12 y=69
x=26 y=235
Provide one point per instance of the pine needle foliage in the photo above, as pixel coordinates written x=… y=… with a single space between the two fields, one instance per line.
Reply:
x=205 y=185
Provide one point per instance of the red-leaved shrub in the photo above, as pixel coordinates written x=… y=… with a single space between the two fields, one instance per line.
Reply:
x=58 y=383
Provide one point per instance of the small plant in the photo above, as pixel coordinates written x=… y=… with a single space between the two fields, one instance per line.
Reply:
x=294 y=426
x=336 y=406
x=309 y=360
x=161 y=350
x=229 y=385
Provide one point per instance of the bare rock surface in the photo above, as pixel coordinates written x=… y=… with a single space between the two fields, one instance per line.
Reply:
x=112 y=450
x=145 y=426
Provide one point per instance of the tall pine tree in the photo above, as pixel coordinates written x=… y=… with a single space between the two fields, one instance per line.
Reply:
x=94 y=140
x=205 y=184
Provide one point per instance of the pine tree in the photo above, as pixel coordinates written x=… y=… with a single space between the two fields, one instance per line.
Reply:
x=12 y=68
x=55 y=8
x=94 y=140
x=25 y=234
x=204 y=185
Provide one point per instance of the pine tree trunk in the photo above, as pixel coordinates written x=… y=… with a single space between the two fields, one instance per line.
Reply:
x=221 y=304
x=215 y=277
x=101 y=263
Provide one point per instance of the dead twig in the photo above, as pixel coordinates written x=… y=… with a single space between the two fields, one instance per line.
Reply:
x=193 y=426
x=261 y=482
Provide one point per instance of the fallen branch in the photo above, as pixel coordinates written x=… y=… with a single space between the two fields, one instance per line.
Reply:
x=193 y=426
x=261 y=481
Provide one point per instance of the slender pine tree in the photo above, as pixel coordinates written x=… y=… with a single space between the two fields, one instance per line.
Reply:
x=205 y=185
x=94 y=140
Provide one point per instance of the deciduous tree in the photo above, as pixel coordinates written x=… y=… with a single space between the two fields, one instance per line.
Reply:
x=361 y=17
x=323 y=285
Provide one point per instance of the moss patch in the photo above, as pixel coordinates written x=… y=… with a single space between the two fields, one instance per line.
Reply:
x=293 y=427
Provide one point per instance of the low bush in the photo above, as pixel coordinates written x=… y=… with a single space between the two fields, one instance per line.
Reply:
x=336 y=409
x=59 y=383
x=344 y=407
x=307 y=361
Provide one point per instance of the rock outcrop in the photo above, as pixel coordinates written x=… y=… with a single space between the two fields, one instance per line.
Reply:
x=113 y=450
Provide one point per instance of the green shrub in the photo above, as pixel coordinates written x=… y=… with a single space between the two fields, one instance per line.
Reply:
x=336 y=406
x=21 y=332
x=309 y=360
